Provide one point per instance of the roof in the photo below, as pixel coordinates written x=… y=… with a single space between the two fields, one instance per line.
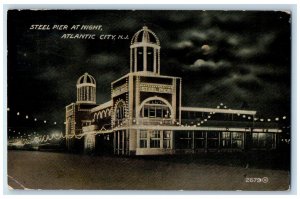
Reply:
x=86 y=78
x=145 y=35
x=217 y=110
x=102 y=106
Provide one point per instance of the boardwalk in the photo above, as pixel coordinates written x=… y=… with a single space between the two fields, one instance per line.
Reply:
x=48 y=170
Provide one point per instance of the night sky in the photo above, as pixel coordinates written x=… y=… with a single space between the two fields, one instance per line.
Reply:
x=240 y=58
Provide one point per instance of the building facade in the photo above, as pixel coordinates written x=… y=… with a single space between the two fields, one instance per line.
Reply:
x=145 y=116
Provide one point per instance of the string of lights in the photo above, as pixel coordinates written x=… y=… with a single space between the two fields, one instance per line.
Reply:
x=255 y=118
x=32 y=118
x=35 y=137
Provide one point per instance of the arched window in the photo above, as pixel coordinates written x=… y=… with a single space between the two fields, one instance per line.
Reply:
x=155 y=109
x=120 y=110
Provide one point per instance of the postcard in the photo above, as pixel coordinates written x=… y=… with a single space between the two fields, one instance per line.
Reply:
x=149 y=100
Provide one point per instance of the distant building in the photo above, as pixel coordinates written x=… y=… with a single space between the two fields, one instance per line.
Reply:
x=145 y=115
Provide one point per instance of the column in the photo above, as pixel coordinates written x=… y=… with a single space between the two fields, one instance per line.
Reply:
x=137 y=99
x=174 y=98
x=154 y=60
x=131 y=60
x=91 y=94
x=83 y=93
x=180 y=95
x=80 y=94
x=138 y=138
x=88 y=93
x=130 y=99
x=158 y=62
x=145 y=58
x=94 y=94
x=135 y=59
x=148 y=138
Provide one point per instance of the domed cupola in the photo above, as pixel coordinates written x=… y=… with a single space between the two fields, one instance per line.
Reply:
x=86 y=89
x=145 y=52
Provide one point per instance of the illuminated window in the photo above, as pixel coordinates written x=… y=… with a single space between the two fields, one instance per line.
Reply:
x=226 y=141
x=155 y=109
x=262 y=140
x=167 y=139
x=120 y=111
x=143 y=139
x=236 y=135
x=155 y=139
x=237 y=140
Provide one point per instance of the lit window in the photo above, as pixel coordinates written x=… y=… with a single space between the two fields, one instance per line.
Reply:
x=167 y=139
x=237 y=140
x=155 y=109
x=120 y=112
x=226 y=142
x=155 y=139
x=236 y=135
x=262 y=140
x=143 y=139
x=225 y=135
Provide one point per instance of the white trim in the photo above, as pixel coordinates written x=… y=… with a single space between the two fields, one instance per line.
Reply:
x=85 y=84
x=152 y=74
x=70 y=105
x=144 y=44
x=145 y=74
x=180 y=99
x=199 y=128
x=216 y=110
x=120 y=78
x=85 y=102
x=95 y=132
x=162 y=88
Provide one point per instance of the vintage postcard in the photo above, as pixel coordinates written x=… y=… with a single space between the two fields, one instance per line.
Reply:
x=149 y=100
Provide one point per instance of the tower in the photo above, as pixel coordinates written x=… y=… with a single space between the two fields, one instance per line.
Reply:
x=86 y=89
x=145 y=52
